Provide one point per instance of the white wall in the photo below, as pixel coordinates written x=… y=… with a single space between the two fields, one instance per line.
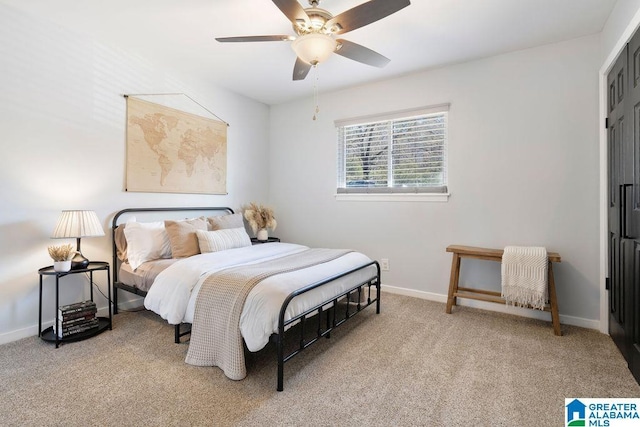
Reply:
x=62 y=117
x=523 y=159
x=616 y=26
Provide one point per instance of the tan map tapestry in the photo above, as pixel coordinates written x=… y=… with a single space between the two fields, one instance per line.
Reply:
x=171 y=151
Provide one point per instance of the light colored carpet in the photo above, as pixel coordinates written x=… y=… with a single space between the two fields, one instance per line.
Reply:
x=411 y=365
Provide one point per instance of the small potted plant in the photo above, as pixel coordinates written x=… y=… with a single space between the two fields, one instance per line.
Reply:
x=61 y=256
x=260 y=219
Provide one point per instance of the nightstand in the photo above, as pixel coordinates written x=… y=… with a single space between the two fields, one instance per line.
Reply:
x=255 y=241
x=103 y=322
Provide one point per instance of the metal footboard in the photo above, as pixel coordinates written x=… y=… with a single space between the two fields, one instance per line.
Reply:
x=332 y=319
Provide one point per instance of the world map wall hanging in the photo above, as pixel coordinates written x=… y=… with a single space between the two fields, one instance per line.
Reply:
x=174 y=151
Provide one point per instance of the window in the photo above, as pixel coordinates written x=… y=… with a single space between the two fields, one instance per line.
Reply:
x=403 y=152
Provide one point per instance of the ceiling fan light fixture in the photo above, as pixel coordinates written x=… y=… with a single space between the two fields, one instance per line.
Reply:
x=318 y=18
x=335 y=28
x=315 y=22
x=314 y=48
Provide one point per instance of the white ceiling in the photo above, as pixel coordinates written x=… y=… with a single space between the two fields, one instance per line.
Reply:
x=179 y=35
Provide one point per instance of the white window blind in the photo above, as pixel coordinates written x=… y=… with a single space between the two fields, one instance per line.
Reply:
x=402 y=152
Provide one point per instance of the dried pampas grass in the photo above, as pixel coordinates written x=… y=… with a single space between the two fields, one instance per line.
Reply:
x=61 y=253
x=259 y=217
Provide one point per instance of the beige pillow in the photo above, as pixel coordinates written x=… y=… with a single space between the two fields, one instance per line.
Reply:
x=225 y=221
x=121 y=243
x=182 y=235
x=220 y=240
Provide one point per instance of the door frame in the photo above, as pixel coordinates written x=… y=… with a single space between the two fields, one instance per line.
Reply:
x=604 y=229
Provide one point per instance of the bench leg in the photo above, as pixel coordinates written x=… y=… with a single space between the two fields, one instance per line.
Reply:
x=453 y=282
x=553 y=301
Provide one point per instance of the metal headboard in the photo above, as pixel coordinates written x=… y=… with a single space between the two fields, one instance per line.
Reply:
x=118 y=214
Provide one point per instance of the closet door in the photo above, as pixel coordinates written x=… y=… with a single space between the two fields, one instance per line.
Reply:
x=631 y=206
x=624 y=203
x=619 y=325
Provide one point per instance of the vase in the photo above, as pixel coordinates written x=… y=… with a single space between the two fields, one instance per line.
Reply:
x=62 y=266
x=263 y=234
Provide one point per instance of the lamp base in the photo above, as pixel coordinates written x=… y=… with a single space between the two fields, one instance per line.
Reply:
x=79 y=262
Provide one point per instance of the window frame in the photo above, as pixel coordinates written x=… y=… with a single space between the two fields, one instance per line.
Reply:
x=429 y=194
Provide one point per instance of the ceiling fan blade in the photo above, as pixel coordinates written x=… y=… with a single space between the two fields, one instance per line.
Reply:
x=255 y=39
x=362 y=54
x=301 y=69
x=293 y=11
x=365 y=14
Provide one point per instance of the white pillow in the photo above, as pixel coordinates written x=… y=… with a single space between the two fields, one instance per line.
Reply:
x=219 y=240
x=146 y=241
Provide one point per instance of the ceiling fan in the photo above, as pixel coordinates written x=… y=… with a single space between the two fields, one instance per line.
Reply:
x=315 y=29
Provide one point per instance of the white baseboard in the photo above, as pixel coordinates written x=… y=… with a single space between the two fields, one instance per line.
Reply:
x=534 y=314
x=16 y=335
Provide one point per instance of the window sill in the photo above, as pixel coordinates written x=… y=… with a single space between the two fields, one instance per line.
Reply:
x=395 y=197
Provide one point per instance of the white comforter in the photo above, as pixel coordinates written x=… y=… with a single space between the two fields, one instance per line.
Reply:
x=174 y=291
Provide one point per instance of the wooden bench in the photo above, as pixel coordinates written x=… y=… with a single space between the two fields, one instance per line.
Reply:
x=456 y=291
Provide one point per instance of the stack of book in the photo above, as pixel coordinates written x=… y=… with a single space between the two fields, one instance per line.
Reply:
x=76 y=318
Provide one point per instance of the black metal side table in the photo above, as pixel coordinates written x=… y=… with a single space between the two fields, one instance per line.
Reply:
x=49 y=334
x=255 y=241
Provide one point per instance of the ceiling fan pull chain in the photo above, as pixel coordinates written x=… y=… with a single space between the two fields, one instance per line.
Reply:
x=315 y=92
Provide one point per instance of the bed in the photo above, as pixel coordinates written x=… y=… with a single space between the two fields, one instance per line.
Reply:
x=291 y=295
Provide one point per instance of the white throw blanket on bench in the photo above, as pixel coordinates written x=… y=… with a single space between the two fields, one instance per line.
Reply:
x=524 y=276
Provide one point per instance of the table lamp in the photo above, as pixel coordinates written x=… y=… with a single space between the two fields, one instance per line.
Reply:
x=78 y=224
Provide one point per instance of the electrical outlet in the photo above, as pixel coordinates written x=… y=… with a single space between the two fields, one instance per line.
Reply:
x=384 y=264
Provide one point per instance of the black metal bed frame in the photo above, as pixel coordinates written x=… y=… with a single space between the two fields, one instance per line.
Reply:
x=327 y=309
x=331 y=318
x=178 y=333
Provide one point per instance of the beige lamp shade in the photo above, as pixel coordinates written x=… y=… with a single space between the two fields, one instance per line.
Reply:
x=78 y=224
